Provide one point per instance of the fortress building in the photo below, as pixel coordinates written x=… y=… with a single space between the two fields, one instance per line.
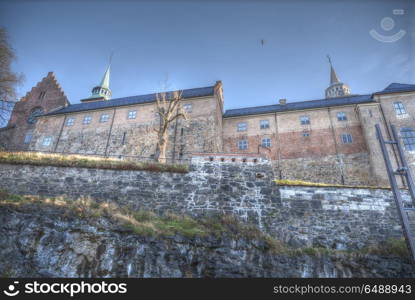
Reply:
x=326 y=140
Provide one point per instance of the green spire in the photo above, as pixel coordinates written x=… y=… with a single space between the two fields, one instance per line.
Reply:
x=333 y=76
x=103 y=90
x=105 y=83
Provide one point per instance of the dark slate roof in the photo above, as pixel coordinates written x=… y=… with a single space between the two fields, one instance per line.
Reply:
x=354 y=99
x=189 y=93
x=396 y=88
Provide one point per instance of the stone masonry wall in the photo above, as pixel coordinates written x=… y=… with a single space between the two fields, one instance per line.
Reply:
x=349 y=169
x=301 y=216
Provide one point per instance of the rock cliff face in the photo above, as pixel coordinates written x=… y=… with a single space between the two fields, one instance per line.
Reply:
x=46 y=242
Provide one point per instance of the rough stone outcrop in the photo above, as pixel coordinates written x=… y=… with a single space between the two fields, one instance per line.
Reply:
x=43 y=241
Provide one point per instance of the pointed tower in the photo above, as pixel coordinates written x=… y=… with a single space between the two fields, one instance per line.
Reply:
x=336 y=88
x=102 y=91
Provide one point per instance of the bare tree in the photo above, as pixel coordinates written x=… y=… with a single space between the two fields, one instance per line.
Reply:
x=169 y=109
x=8 y=78
x=145 y=140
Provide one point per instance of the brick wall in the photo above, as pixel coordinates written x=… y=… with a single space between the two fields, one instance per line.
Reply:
x=47 y=95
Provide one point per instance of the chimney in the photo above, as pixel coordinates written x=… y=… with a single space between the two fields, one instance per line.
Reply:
x=283 y=101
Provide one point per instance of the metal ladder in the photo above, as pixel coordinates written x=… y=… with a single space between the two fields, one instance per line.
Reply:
x=404 y=171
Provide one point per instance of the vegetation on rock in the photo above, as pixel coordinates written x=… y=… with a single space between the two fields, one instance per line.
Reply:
x=83 y=161
x=320 y=184
x=147 y=223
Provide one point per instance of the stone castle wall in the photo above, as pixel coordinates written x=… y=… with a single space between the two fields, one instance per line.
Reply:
x=135 y=137
x=338 y=218
x=348 y=169
x=312 y=152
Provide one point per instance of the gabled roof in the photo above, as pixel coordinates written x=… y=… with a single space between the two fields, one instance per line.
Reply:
x=396 y=88
x=189 y=93
x=356 y=99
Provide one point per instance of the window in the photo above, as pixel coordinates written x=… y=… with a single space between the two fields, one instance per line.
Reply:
x=263 y=124
x=341 y=116
x=306 y=134
x=399 y=108
x=104 y=118
x=187 y=107
x=266 y=142
x=242 y=126
x=242 y=144
x=70 y=122
x=132 y=114
x=27 y=138
x=47 y=141
x=123 y=138
x=305 y=120
x=42 y=95
x=346 y=138
x=408 y=138
x=87 y=120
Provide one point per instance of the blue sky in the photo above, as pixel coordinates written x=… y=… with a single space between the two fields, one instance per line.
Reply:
x=194 y=43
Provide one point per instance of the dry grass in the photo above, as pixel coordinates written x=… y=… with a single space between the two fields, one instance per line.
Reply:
x=391 y=247
x=146 y=223
x=320 y=184
x=80 y=161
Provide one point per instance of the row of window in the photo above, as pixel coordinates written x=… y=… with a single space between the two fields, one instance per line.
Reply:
x=407 y=134
x=346 y=138
x=132 y=114
x=304 y=120
x=47 y=140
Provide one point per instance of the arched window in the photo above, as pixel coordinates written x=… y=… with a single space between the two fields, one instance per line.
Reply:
x=408 y=138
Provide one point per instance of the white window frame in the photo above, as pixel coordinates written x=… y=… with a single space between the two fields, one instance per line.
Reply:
x=243 y=145
x=47 y=141
x=104 y=118
x=242 y=126
x=266 y=142
x=399 y=108
x=132 y=114
x=263 y=124
x=87 y=120
x=70 y=121
x=341 y=116
x=305 y=120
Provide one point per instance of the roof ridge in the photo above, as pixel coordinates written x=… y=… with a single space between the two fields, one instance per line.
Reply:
x=131 y=100
x=150 y=94
x=300 y=105
x=288 y=103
